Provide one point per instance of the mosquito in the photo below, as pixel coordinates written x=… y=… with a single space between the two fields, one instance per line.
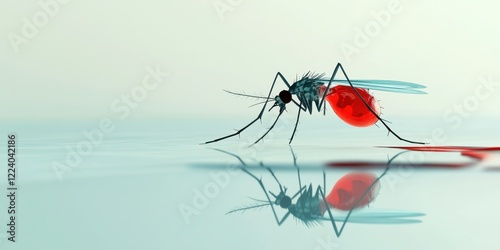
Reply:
x=310 y=205
x=310 y=92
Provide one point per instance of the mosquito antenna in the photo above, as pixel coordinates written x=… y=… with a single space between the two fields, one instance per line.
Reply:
x=243 y=209
x=257 y=199
x=245 y=95
x=270 y=100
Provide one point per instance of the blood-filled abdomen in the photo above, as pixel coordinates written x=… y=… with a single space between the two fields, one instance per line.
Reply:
x=350 y=108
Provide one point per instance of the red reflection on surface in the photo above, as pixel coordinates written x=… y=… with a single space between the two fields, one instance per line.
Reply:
x=350 y=108
x=476 y=153
x=373 y=164
x=479 y=153
x=350 y=188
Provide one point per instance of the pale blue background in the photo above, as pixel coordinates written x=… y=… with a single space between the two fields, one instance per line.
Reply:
x=126 y=193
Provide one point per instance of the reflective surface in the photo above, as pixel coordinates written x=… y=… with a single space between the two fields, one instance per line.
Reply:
x=154 y=186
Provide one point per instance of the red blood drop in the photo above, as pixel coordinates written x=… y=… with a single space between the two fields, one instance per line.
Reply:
x=350 y=108
x=349 y=189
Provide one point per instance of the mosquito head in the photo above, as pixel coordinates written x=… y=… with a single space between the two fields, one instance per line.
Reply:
x=281 y=100
x=282 y=199
x=285 y=96
x=285 y=202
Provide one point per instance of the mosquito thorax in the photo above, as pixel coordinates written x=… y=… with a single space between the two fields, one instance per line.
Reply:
x=285 y=96
x=285 y=202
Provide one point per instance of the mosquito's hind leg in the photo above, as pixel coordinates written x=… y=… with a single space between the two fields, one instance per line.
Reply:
x=261 y=184
x=362 y=99
x=337 y=233
x=274 y=176
x=324 y=108
x=324 y=181
x=369 y=188
x=260 y=114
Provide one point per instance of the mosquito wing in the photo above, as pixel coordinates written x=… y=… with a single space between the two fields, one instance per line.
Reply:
x=382 y=85
x=381 y=217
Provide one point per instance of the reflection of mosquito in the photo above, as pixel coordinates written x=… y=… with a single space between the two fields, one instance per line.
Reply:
x=310 y=208
x=308 y=89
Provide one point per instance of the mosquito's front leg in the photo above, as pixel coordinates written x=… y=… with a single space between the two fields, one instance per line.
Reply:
x=274 y=176
x=269 y=130
x=296 y=123
x=259 y=180
x=260 y=114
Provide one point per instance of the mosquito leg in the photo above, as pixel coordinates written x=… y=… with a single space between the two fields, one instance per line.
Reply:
x=259 y=180
x=284 y=218
x=296 y=166
x=260 y=114
x=269 y=130
x=369 y=189
x=298 y=192
x=368 y=106
x=324 y=108
x=276 y=178
x=296 y=124
x=337 y=233
x=327 y=88
x=324 y=181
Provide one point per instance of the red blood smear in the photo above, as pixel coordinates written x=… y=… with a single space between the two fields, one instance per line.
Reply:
x=349 y=189
x=479 y=153
x=447 y=148
x=350 y=108
x=368 y=164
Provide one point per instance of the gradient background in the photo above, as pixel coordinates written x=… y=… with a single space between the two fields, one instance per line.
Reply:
x=126 y=194
x=90 y=52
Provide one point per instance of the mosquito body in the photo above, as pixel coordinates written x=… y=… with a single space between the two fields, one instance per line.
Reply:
x=308 y=90
x=309 y=93
x=310 y=206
